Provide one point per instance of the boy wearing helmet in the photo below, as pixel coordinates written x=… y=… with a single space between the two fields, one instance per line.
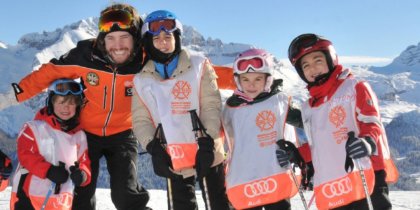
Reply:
x=5 y=170
x=52 y=152
x=343 y=125
x=106 y=66
x=173 y=82
x=254 y=118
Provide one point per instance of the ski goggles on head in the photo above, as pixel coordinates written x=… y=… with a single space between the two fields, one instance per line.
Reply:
x=122 y=18
x=66 y=87
x=255 y=63
x=155 y=27
x=300 y=44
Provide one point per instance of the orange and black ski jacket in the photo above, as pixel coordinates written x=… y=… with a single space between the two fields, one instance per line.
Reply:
x=108 y=88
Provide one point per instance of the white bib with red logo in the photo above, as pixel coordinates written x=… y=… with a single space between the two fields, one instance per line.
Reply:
x=54 y=146
x=327 y=128
x=254 y=177
x=169 y=102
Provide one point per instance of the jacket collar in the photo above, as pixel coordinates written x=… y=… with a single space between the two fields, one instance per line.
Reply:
x=322 y=93
x=184 y=64
x=53 y=121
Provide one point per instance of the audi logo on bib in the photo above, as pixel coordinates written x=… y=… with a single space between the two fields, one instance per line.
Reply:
x=65 y=200
x=337 y=188
x=176 y=152
x=260 y=187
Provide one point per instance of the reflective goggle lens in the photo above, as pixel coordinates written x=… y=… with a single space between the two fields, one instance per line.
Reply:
x=301 y=43
x=167 y=25
x=67 y=87
x=256 y=63
x=122 y=18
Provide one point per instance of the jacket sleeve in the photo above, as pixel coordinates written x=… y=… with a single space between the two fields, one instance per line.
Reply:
x=305 y=152
x=83 y=159
x=142 y=121
x=28 y=153
x=367 y=112
x=294 y=116
x=38 y=80
x=210 y=101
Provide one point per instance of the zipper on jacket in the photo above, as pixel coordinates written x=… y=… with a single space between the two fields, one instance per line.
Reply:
x=111 y=105
x=105 y=95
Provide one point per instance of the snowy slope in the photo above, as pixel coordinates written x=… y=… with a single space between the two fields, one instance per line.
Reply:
x=399 y=199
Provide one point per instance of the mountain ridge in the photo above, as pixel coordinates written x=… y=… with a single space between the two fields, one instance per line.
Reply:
x=396 y=85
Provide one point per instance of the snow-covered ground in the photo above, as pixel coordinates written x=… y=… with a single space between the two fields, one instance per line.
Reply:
x=401 y=200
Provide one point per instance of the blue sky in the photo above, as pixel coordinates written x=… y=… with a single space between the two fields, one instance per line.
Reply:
x=372 y=28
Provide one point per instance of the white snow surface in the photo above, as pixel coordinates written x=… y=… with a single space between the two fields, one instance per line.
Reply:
x=401 y=200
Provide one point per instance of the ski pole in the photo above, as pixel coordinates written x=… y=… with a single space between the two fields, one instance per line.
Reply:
x=169 y=186
x=365 y=187
x=311 y=200
x=163 y=143
x=47 y=197
x=199 y=131
x=301 y=195
x=362 y=176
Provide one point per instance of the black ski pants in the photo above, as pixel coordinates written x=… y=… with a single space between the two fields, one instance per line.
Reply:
x=182 y=191
x=280 y=205
x=120 y=152
x=380 y=196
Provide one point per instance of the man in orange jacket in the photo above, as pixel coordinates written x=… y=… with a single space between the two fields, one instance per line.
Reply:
x=106 y=66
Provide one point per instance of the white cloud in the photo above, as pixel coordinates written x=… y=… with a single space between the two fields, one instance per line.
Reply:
x=353 y=60
x=364 y=60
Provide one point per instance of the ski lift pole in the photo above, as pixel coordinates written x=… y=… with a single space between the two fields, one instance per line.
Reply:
x=199 y=131
x=301 y=195
x=362 y=175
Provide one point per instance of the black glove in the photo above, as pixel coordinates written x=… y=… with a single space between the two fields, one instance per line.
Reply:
x=58 y=174
x=6 y=167
x=288 y=153
x=359 y=147
x=307 y=175
x=282 y=158
x=77 y=176
x=161 y=160
x=204 y=157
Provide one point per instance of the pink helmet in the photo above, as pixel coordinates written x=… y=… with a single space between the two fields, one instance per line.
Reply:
x=254 y=60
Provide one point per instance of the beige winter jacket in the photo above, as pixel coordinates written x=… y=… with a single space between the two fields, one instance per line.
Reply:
x=210 y=107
